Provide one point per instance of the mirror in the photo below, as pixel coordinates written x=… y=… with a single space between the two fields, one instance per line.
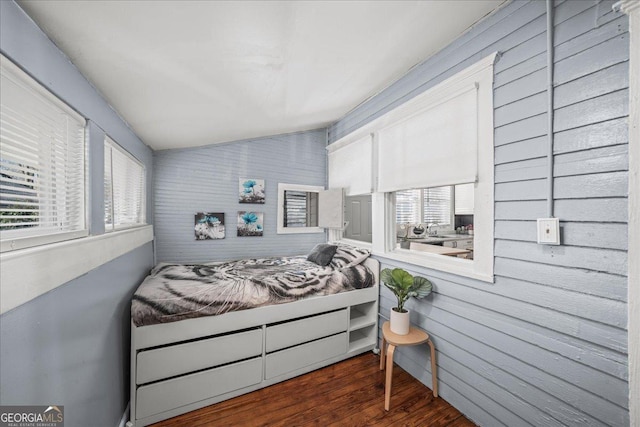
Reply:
x=298 y=209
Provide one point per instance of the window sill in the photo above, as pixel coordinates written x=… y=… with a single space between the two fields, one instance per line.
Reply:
x=58 y=263
x=453 y=265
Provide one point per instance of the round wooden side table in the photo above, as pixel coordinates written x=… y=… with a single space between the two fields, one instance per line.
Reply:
x=414 y=337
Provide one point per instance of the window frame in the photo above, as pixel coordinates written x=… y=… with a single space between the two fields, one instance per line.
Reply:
x=8 y=242
x=282 y=187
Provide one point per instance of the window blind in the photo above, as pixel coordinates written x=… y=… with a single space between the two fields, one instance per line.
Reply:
x=42 y=164
x=295 y=208
x=436 y=205
x=464 y=199
x=408 y=206
x=124 y=188
x=436 y=146
x=424 y=206
x=350 y=167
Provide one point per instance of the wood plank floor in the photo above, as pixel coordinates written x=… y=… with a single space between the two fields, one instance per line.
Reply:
x=349 y=393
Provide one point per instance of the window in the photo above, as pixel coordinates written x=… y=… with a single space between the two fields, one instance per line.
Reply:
x=438 y=140
x=298 y=209
x=42 y=164
x=124 y=188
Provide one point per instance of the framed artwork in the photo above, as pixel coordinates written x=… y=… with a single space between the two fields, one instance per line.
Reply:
x=209 y=225
x=250 y=223
x=251 y=190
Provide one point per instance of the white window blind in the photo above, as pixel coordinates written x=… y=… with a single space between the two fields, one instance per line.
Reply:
x=436 y=205
x=464 y=199
x=124 y=188
x=408 y=207
x=427 y=205
x=350 y=167
x=434 y=147
x=42 y=164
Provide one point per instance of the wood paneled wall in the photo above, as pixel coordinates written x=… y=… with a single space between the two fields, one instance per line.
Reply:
x=205 y=179
x=546 y=344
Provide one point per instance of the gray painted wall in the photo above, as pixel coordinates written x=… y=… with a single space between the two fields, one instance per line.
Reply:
x=545 y=344
x=70 y=346
x=205 y=179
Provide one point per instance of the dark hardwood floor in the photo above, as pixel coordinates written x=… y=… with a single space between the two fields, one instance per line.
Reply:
x=349 y=393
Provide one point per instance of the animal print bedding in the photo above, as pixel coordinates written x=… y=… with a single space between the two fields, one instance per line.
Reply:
x=174 y=292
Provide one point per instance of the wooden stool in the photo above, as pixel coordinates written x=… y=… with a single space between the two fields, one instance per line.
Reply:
x=414 y=337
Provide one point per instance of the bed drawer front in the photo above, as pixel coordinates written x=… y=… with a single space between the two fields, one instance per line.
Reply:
x=294 y=358
x=166 y=362
x=303 y=330
x=166 y=395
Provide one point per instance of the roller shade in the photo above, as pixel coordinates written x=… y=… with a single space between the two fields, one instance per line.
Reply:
x=350 y=167
x=433 y=148
x=42 y=164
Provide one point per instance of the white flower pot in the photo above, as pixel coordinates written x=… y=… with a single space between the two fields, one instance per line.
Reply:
x=399 y=322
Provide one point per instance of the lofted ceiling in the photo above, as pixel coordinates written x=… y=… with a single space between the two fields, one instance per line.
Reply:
x=190 y=73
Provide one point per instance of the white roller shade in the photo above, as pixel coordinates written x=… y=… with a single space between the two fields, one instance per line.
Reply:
x=350 y=166
x=42 y=164
x=435 y=147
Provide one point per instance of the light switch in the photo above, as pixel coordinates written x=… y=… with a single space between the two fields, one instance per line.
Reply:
x=549 y=231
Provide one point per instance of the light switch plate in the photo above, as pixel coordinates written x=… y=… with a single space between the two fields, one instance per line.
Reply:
x=548 y=231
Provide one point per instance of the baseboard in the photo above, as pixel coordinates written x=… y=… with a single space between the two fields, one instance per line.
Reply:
x=125 y=416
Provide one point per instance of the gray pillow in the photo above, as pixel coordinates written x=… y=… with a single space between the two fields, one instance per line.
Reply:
x=322 y=254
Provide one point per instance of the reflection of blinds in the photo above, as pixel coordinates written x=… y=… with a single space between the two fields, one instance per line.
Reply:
x=295 y=208
x=437 y=205
x=426 y=205
x=42 y=162
x=464 y=199
x=408 y=206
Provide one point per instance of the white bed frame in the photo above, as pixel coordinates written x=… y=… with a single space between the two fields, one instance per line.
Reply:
x=182 y=366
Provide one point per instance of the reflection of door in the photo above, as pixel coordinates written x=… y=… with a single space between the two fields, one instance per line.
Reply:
x=358 y=215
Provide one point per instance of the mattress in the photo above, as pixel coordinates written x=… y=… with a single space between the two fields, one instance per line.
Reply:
x=174 y=292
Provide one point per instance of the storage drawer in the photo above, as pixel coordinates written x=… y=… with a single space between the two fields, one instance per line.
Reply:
x=293 y=358
x=166 y=395
x=308 y=329
x=166 y=362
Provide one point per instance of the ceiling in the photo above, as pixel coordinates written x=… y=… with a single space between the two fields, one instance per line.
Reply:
x=190 y=73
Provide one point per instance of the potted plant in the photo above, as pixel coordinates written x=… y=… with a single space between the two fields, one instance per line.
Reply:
x=404 y=286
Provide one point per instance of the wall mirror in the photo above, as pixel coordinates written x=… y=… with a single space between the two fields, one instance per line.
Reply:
x=298 y=208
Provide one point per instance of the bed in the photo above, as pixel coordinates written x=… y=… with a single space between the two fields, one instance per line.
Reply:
x=204 y=333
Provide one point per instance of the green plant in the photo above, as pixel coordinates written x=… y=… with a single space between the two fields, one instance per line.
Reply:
x=404 y=286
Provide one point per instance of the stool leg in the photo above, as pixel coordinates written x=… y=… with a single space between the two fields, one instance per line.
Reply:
x=434 y=375
x=387 y=385
x=383 y=347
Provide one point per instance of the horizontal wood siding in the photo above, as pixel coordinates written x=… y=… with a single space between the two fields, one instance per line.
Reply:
x=205 y=179
x=546 y=344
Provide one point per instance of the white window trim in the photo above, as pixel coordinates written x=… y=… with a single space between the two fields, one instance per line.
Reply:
x=59 y=263
x=281 y=229
x=383 y=212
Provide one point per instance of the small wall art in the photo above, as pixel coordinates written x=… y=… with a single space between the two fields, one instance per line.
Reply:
x=251 y=190
x=209 y=226
x=250 y=223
